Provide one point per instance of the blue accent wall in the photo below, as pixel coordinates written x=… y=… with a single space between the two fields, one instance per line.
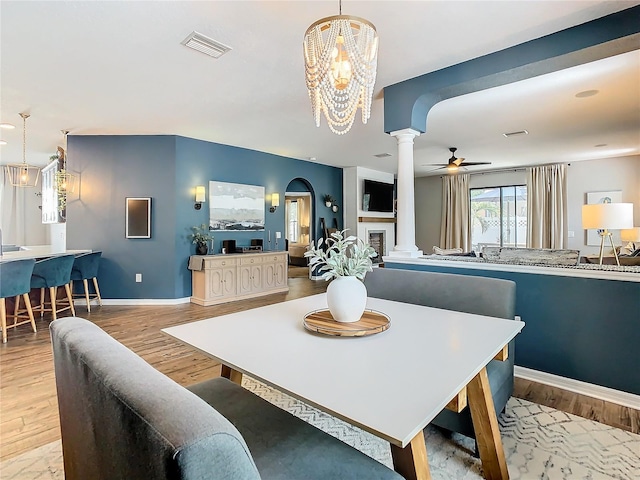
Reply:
x=407 y=103
x=581 y=328
x=167 y=168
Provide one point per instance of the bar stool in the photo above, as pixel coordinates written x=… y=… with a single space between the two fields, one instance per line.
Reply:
x=15 y=279
x=85 y=267
x=52 y=273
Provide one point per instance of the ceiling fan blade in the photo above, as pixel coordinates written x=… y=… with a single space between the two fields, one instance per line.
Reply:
x=435 y=164
x=476 y=163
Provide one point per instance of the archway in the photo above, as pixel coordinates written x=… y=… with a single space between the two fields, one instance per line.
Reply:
x=299 y=219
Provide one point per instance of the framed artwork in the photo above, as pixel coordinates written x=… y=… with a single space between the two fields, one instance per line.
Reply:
x=138 y=217
x=612 y=196
x=236 y=207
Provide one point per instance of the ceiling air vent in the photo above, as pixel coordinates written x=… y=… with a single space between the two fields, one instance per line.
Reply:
x=206 y=45
x=515 y=134
x=382 y=155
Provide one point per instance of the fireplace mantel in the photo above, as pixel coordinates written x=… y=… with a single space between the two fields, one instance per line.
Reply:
x=377 y=219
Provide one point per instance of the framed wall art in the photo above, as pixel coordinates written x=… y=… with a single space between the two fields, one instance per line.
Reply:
x=236 y=207
x=138 y=217
x=612 y=196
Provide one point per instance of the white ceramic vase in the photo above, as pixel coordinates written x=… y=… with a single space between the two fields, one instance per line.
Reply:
x=347 y=299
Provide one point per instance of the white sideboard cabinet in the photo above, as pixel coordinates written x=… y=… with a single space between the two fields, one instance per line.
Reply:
x=226 y=278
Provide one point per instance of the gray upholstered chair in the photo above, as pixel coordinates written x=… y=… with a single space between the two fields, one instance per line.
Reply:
x=463 y=293
x=122 y=419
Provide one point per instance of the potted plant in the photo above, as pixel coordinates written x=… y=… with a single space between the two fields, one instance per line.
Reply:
x=201 y=237
x=328 y=200
x=346 y=261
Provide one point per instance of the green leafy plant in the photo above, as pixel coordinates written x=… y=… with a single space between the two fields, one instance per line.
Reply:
x=328 y=199
x=344 y=257
x=200 y=234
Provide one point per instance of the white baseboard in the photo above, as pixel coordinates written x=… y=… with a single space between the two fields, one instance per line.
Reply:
x=596 y=391
x=136 y=301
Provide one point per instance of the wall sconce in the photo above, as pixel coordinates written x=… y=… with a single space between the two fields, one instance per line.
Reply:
x=334 y=207
x=275 y=202
x=201 y=197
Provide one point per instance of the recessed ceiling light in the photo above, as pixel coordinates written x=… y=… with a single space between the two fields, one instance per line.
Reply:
x=587 y=93
x=515 y=134
x=206 y=45
x=312 y=159
x=382 y=155
x=601 y=145
x=8 y=126
x=2 y=142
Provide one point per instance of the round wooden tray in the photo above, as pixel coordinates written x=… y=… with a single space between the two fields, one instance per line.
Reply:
x=371 y=322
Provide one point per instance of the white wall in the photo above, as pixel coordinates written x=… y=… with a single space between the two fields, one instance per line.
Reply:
x=622 y=173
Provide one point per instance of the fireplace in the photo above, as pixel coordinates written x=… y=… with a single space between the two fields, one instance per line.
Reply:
x=377 y=242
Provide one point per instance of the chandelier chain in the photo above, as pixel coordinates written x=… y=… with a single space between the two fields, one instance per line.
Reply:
x=24 y=136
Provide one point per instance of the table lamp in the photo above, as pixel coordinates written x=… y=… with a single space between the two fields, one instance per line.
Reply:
x=631 y=235
x=605 y=217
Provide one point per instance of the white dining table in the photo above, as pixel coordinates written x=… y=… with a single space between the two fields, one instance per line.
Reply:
x=391 y=384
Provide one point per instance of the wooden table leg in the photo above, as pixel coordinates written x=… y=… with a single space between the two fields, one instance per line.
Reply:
x=411 y=461
x=231 y=374
x=485 y=424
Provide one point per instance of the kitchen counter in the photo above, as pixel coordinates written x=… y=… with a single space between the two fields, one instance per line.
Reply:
x=37 y=252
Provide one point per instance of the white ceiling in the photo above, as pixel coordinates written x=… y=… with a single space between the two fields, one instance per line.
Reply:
x=98 y=68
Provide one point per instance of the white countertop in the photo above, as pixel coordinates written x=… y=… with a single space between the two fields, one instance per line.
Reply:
x=581 y=270
x=38 y=251
x=391 y=384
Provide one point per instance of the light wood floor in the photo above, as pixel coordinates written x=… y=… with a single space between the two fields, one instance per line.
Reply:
x=28 y=405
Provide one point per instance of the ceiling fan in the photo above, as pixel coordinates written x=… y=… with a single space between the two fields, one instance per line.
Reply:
x=455 y=163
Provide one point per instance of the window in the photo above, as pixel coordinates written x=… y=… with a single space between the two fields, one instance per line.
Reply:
x=499 y=216
x=292 y=221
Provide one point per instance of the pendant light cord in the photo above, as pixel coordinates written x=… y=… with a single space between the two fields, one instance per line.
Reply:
x=24 y=137
x=340 y=7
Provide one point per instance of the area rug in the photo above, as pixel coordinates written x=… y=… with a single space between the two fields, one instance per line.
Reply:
x=539 y=443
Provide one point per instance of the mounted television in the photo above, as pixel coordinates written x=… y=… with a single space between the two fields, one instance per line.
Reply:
x=377 y=196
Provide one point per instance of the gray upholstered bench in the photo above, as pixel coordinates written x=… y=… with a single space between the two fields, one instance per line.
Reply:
x=122 y=419
x=463 y=293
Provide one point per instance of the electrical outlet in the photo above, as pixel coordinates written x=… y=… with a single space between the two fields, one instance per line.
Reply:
x=138 y=278
x=571 y=234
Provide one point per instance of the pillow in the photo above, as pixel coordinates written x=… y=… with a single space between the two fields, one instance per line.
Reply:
x=446 y=251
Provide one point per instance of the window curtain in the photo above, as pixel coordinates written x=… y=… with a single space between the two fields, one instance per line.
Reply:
x=455 y=231
x=12 y=208
x=547 y=206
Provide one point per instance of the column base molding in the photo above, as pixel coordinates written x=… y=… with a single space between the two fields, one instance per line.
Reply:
x=406 y=253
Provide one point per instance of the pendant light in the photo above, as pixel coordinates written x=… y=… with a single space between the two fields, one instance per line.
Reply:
x=23 y=175
x=66 y=182
x=341 y=58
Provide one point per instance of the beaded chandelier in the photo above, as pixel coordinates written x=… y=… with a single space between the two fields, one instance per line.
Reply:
x=341 y=57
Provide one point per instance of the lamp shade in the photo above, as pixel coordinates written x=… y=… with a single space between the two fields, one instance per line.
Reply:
x=630 y=234
x=201 y=195
x=275 y=199
x=608 y=216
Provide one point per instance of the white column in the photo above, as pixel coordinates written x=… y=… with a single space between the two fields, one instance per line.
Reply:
x=406 y=217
